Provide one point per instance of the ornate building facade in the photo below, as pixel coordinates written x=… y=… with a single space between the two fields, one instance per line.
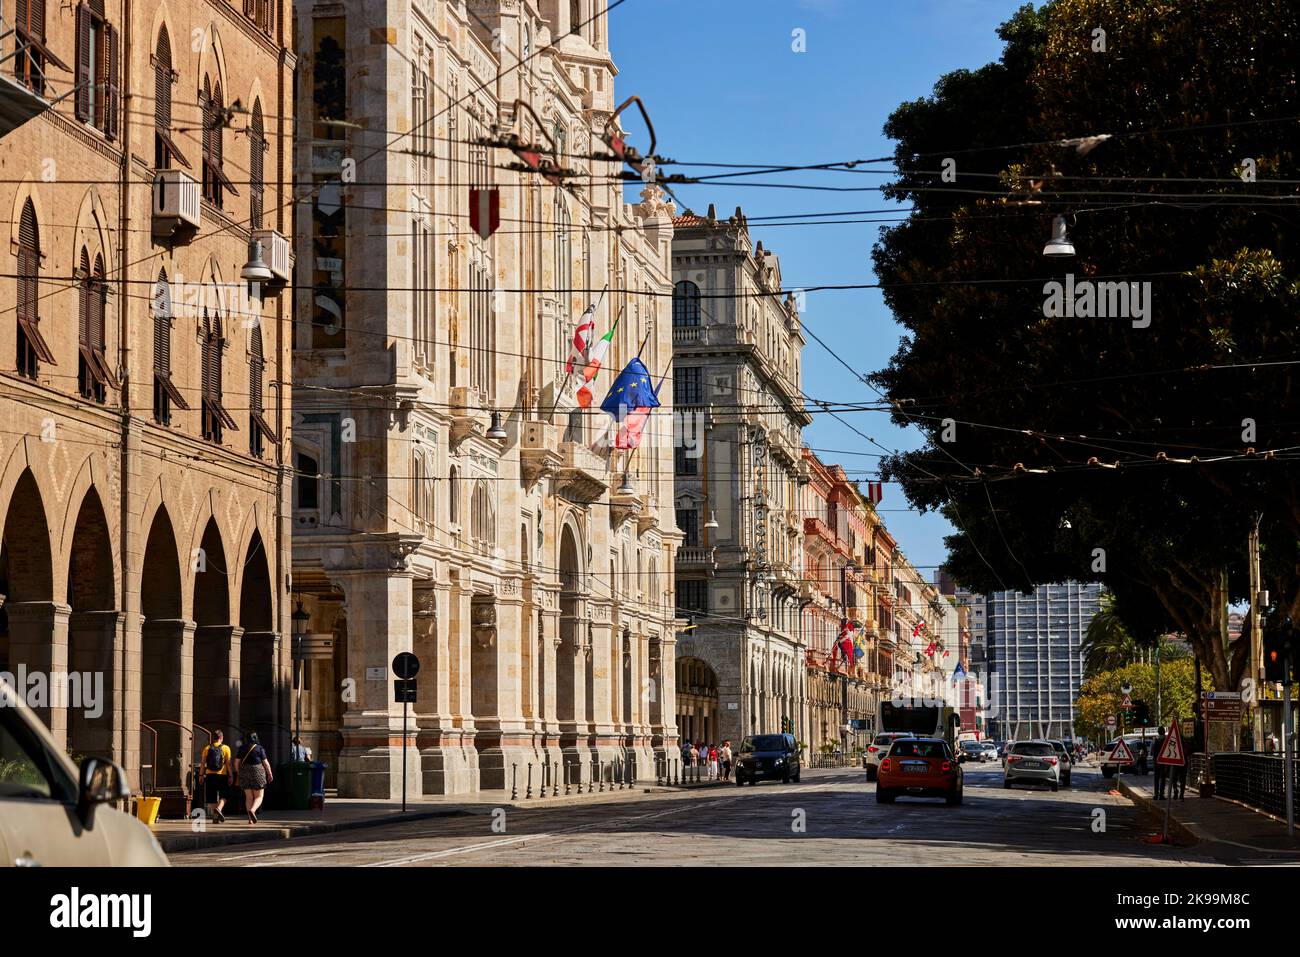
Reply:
x=738 y=469
x=446 y=502
x=143 y=491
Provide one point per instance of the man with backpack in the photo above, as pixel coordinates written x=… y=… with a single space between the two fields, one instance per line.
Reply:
x=214 y=775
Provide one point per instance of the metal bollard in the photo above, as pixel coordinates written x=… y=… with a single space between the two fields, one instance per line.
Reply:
x=514 y=781
x=566 y=780
x=529 y=793
x=555 y=779
x=601 y=768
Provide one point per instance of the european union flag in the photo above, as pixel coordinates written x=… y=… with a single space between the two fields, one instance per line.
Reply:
x=631 y=390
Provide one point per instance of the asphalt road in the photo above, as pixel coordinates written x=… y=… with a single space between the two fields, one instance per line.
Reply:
x=830 y=818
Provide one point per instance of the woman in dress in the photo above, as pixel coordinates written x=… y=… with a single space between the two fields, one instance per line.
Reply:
x=254 y=774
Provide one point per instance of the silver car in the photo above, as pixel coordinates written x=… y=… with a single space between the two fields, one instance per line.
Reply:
x=53 y=814
x=1035 y=761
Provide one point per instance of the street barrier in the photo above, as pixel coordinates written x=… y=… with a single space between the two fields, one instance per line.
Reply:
x=1253 y=779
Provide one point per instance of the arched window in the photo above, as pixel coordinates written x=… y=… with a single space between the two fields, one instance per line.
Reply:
x=453 y=495
x=686 y=304
x=94 y=377
x=32 y=348
x=482 y=520
x=164 y=150
x=575 y=16
x=256 y=150
x=258 y=428
x=165 y=393
x=215 y=416
x=215 y=181
x=417 y=487
x=307 y=482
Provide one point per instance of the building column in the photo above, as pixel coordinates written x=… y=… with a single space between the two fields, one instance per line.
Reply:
x=379 y=605
x=217 y=679
x=447 y=764
x=38 y=642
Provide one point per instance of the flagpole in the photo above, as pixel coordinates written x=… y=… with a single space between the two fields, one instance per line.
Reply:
x=594 y=309
x=664 y=375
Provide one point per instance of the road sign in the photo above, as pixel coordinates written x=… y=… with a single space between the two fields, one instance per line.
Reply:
x=1110 y=721
x=1126 y=689
x=1121 y=754
x=1222 y=705
x=484 y=211
x=406 y=665
x=1128 y=703
x=1171 y=751
x=404 y=690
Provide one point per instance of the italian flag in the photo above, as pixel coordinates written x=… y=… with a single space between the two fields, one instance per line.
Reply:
x=594 y=360
x=581 y=339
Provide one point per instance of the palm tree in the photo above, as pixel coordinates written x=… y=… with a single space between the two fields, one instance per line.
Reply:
x=1107 y=645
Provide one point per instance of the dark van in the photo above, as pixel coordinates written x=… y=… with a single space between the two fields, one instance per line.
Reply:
x=767 y=757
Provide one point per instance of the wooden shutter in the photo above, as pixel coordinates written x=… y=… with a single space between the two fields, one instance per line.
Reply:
x=205 y=100
x=29 y=262
x=255 y=373
x=162 y=327
x=256 y=146
x=112 y=53
x=218 y=143
x=85 y=68
x=83 y=301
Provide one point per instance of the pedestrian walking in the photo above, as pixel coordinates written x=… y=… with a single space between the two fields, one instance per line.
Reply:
x=726 y=760
x=214 y=775
x=254 y=772
x=1162 y=770
x=1178 y=773
x=713 y=762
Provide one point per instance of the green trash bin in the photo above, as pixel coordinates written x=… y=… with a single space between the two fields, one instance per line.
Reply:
x=292 y=786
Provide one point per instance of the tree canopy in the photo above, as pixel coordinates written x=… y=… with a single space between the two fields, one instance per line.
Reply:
x=1135 y=451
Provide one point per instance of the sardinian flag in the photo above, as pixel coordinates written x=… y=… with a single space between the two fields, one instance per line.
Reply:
x=875 y=492
x=579 y=351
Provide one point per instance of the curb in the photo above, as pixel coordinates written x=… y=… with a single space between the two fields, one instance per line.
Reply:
x=177 y=842
x=1184 y=833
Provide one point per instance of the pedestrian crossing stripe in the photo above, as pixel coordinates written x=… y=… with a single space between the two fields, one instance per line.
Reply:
x=1121 y=754
x=1171 y=752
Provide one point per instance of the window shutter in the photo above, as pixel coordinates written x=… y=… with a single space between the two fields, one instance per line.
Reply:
x=255 y=374
x=83 y=301
x=29 y=262
x=98 y=294
x=84 y=76
x=218 y=138
x=205 y=100
x=256 y=146
x=205 y=361
x=217 y=359
x=162 y=363
x=112 y=51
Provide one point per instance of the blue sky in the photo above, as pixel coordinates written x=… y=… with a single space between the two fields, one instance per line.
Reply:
x=722 y=84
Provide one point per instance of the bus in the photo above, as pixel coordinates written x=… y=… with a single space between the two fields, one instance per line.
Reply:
x=923 y=717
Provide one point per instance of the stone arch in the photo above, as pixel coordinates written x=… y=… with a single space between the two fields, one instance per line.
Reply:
x=91 y=477
x=212 y=59
x=27 y=191
x=91 y=231
x=93 y=648
x=166 y=645
x=257 y=643
x=696 y=699
x=566 y=660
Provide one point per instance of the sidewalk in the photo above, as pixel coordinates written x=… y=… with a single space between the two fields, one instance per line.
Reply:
x=1213 y=820
x=343 y=814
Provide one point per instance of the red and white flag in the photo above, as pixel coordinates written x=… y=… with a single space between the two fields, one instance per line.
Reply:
x=594 y=360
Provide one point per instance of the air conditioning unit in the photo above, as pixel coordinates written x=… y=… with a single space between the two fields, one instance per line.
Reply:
x=176 y=205
x=275 y=253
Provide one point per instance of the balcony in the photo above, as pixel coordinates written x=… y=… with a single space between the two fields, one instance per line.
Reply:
x=468 y=414
x=177 y=205
x=697 y=556
x=539 y=452
x=275 y=253
x=623 y=507
x=687 y=334
x=582 y=474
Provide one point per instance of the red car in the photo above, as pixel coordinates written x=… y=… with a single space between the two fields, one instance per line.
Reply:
x=919 y=767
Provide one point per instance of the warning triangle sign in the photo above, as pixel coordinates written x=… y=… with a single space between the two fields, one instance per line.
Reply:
x=1121 y=754
x=1171 y=752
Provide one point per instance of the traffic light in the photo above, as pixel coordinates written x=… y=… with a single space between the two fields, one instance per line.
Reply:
x=1141 y=714
x=1279 y=642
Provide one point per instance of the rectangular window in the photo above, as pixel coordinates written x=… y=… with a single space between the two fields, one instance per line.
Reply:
x=688 y=520
x=692 y=596
x=688 y=386
x=685 y=462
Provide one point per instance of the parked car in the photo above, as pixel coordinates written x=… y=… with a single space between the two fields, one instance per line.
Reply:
x=53 y=814
x=919 y=767
x=878 y=748
x=1067 y=760
x=765 y=757
x=1034 y=761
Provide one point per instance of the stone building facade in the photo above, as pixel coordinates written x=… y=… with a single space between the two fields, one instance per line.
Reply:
x=143 y=492
x=840 y=582
x=738 y=469
x=530 y=575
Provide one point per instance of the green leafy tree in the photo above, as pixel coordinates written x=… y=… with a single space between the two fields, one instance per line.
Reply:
x=1097 y=449
x=1100 y=696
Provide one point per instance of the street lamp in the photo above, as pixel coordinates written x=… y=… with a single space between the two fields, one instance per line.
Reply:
x=1059 y=245
x=300 y=618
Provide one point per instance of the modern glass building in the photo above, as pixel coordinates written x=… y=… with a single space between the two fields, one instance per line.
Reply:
x=1035 y=662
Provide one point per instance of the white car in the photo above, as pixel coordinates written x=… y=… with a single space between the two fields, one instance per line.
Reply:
x=54 y=815
x=878 y=748
x=1035 y=761
x=989 y=751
